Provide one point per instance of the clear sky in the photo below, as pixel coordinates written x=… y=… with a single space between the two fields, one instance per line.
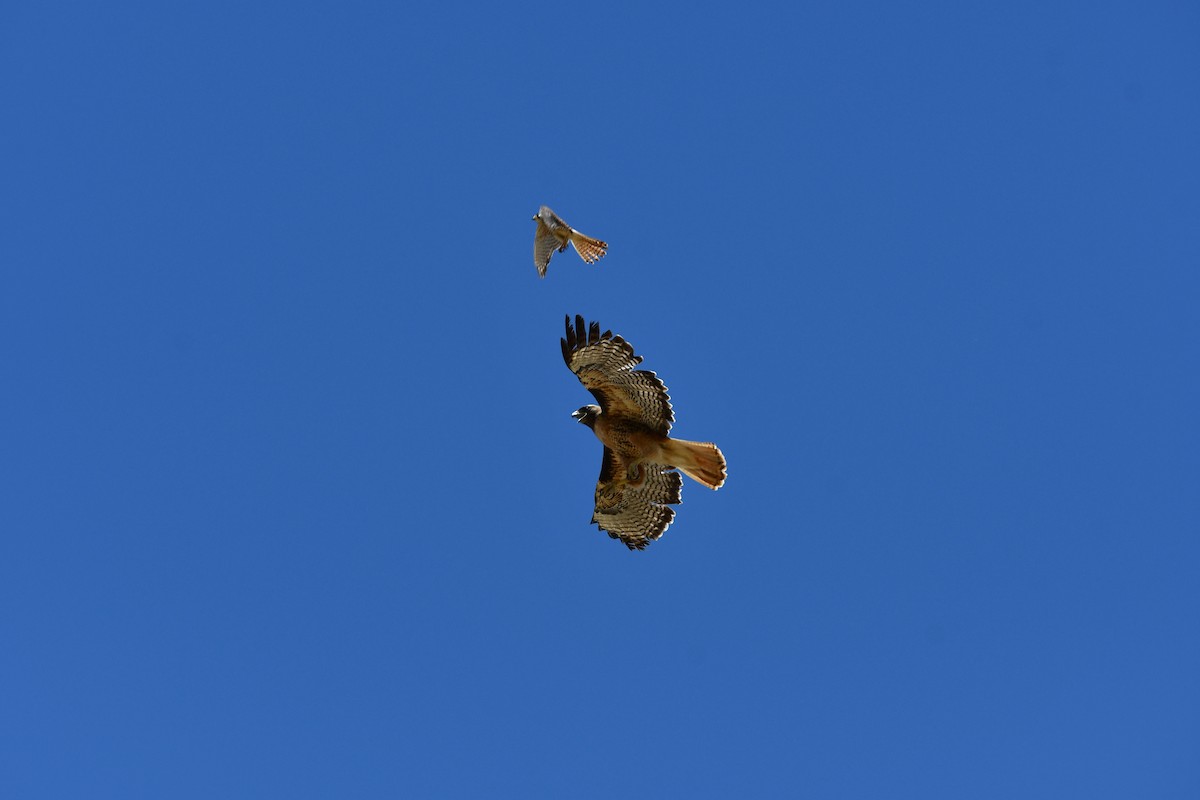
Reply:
x=292 y=503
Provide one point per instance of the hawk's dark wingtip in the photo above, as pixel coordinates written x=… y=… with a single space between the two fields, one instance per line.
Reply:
x=566 y=344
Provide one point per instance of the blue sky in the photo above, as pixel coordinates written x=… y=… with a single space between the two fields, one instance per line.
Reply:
x=293 y=504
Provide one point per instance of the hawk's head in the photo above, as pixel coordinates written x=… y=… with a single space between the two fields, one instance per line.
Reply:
x=587 y=414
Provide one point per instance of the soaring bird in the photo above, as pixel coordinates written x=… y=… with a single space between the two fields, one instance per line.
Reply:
x=638 y=484
x=554 y=234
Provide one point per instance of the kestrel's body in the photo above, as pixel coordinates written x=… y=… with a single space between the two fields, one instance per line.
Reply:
x=554 y=234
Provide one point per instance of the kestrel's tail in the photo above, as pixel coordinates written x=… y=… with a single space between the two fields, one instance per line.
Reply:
x=700 y=461
x=589 y=249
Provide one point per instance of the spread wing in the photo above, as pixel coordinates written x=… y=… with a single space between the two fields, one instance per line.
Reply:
x=544 y=245
x=636 y=513
x=605 y=365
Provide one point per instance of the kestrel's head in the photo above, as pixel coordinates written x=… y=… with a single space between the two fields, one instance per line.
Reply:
x=587 y=414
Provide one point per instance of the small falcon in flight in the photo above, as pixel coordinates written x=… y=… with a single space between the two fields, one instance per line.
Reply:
x=637 y=483
x=554 y=234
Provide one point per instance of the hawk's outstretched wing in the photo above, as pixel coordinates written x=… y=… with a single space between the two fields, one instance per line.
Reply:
x=604 y=364
x=637 y=514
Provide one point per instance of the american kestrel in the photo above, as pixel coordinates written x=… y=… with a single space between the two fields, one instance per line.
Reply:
x=554 y=234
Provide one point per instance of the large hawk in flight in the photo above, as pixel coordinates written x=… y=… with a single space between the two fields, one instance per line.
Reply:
x=554 y=234
x=637 y=483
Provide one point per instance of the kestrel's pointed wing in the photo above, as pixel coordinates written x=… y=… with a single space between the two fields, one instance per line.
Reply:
x=544 y=245
x=605 y=365
x=637 y=514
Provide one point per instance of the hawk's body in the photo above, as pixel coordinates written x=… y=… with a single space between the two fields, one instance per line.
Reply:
x=554 y=234
x=637 y=483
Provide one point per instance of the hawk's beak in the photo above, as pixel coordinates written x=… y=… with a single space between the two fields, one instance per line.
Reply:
x=577 y=414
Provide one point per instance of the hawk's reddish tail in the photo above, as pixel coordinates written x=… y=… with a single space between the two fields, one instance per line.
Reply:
x=589 y=249
x=700 y=461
